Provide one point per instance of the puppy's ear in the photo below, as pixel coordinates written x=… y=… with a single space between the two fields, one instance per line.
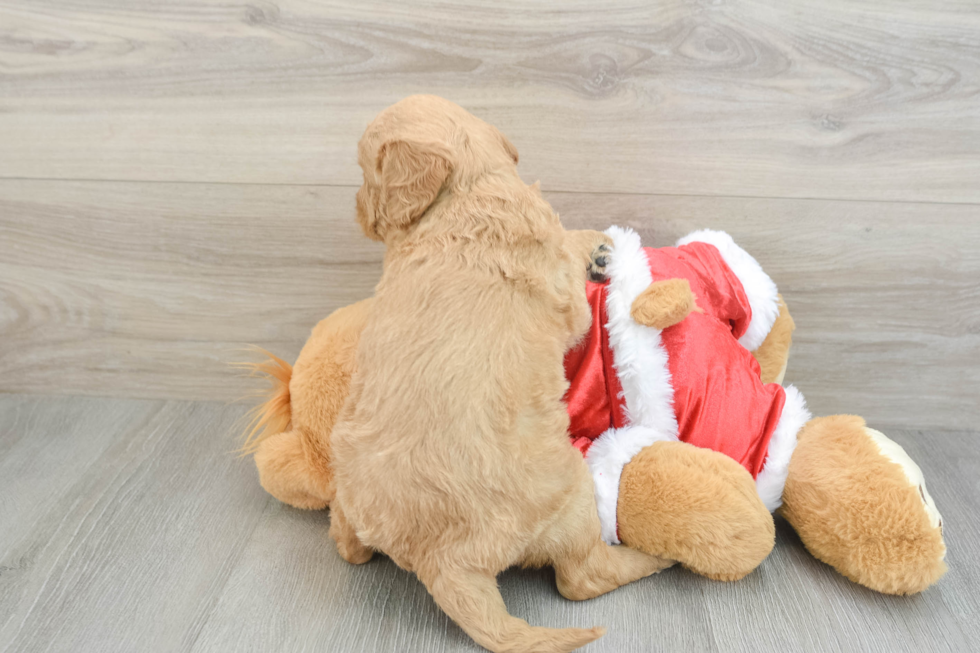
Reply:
x=410 y=175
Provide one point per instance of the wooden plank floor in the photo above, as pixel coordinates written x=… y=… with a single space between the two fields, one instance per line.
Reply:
x=129 y=526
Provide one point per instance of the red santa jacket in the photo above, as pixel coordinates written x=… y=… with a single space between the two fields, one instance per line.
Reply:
x=697 y=382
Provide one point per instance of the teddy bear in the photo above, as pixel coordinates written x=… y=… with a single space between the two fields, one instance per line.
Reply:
x=676 y=403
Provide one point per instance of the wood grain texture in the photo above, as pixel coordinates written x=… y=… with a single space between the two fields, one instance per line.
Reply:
x=157 y=287
x=128 y=526
x=150 y=290
x=834 y=99
x=121 y=521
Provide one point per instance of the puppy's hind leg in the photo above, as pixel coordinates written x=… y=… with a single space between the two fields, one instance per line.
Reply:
x=348 y=546
x=603 y=569
x=585 y=566
x=472 y=599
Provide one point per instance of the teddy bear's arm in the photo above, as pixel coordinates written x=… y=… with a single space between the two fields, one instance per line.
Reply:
x=664 y=303
x=773 y=354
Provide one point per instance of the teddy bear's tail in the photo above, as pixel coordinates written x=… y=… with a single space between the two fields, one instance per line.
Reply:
x=273 y=415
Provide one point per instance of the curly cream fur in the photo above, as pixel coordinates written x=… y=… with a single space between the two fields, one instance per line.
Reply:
x=451 y=454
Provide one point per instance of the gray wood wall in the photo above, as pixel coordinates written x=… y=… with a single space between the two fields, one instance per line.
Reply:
x=177 y=179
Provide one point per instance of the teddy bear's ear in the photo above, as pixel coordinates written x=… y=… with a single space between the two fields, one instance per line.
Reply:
x=410 y=176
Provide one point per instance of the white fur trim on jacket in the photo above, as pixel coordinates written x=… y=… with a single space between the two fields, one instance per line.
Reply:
x=606 y=458
x=759 y=288
x=772 y=479
x=641 y=364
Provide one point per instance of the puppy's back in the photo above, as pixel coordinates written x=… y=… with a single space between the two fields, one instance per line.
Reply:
x=451 y=454
x=449 y=433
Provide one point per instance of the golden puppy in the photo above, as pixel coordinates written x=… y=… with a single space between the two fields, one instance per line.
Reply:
x=451 y=453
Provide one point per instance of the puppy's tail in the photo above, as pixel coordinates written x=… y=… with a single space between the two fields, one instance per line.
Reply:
x=273 y=415
x=472 y=600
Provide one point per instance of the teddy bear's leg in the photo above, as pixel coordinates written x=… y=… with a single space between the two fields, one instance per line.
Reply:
x=293 y=470
x=294 y=465
x=696 y=506
x=859 y=503
x=773 y=354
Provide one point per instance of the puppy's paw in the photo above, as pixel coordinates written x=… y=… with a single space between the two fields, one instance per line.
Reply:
x=598 y=262
x=594 y=248
x=354 y=552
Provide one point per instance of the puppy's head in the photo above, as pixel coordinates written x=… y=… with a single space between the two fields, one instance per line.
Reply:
x=413 y=150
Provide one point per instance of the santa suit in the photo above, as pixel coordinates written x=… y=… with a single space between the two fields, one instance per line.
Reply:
x=632 y=385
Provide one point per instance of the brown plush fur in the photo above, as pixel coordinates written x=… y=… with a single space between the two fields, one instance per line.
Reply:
x=664 y=303
x=773 y=354
x=696 y=506
x=855 y=510
x=451 y=453
x=294 y=461
x=272 y=415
